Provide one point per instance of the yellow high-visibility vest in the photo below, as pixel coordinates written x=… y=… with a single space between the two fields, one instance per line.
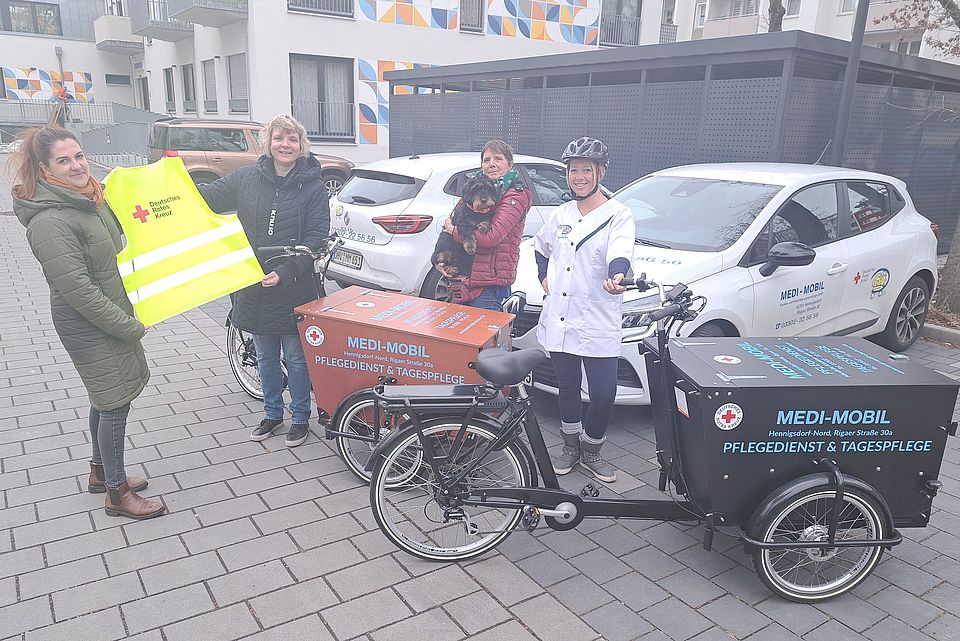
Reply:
x=179 y=254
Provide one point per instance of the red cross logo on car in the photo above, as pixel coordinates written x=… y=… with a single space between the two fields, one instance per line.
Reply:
x=141 y=214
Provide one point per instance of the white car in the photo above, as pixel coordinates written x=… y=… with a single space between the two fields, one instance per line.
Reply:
x=864 y=260
x=391 y=212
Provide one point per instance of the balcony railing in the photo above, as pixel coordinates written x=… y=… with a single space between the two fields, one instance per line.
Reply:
x=152 y=19
x=325 y=119
x=39 y=111
x=668 y=33
x=619 y=31
x=471 y=15
x=210 y=13
x=326 y=7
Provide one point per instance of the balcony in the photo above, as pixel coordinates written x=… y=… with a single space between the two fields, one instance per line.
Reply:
x=151 y=19
x=731 y=26
x=113 y=34
x=668 y=33
x=342 y=8
x=209 y=13
x=619 y=31
x=326 y=120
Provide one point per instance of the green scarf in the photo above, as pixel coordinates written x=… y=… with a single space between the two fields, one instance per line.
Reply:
x=506 y=181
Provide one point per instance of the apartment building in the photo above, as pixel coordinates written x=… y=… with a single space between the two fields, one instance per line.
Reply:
x=834 y=18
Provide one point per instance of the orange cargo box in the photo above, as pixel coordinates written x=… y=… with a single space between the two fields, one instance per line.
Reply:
x=357 y=335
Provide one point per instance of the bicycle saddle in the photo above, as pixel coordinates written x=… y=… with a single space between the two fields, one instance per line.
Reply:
x=508 y=368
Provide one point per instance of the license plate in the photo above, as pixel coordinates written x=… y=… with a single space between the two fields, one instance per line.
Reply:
x=347 y=258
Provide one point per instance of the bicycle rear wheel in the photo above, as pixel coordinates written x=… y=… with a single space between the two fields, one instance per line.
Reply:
x=242 y=355
x=357 y=416
x=415 y=514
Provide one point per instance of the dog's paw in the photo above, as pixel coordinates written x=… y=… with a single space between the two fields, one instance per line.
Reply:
x=470 y=246
x=484 y=227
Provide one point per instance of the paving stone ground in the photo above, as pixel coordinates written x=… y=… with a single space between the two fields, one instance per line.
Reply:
x=268 y=543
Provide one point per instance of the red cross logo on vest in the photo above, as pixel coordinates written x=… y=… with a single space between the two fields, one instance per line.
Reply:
x=728 y=416
x=141 y=214
x=314 y=336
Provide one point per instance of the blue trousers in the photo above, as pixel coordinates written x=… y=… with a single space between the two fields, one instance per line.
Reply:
x=491 y=297
x=271 y=378
x=601 y=384
x=107 y=431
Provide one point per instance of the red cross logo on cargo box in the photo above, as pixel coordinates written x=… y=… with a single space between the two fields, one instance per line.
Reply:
x=141 y=214
x=728 y=416
x=727 y=360
x=314 y=336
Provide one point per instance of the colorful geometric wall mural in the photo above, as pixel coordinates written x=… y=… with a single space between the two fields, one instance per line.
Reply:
x=437 y=14
x=30 y=83
x=374 y=97
x=573 y=21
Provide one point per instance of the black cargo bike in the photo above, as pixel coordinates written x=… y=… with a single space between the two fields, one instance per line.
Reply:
x=744 y=435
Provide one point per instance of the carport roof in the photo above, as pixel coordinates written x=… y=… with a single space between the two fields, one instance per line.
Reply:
x=750 y=48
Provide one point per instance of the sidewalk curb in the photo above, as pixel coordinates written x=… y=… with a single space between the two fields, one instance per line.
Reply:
x=945 y=334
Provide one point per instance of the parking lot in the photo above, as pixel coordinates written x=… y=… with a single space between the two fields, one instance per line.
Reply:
x=265 y=542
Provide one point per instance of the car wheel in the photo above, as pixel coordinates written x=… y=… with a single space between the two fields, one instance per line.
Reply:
x=333 y=181
x=201 y=178
x=908 y=315
x=435 y=286
x=708 y=329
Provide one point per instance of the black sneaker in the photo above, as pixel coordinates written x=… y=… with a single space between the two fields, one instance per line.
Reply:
x=296 y=435
x=266 y=428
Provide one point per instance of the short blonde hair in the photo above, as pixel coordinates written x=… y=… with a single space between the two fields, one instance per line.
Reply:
x=284 y=123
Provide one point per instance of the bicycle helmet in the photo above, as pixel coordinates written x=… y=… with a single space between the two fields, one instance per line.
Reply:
x=587 y=148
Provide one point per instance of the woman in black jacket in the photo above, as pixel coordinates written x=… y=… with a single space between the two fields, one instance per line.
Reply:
x=281 y=199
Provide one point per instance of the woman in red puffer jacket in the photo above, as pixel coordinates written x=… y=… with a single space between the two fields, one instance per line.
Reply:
x=498 y=250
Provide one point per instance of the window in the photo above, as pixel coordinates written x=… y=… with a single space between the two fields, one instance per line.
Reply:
x=189 y=89
x=321 y=95
x=810 y=217
x=471 y=15
x=30 y=17
x=870 y=205
x=237 y=74
x=209 y=86
x=325 y=7
x=116 y=79
x=169 y=91
x=187 y=139
x=793 y=8
x=549 y=183
x=227 y=140
x=701 y=13
x=848 y=6
x=911 y=48
x=884 y=45
x=365 y=187
x=115 y=8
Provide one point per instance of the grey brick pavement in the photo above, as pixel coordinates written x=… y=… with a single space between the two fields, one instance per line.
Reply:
x=268 y=543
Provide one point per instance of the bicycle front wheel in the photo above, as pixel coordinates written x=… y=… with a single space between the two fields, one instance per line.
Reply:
x=415 y=514
x=355 y=424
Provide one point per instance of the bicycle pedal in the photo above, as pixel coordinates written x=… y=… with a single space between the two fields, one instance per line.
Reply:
x=531 y=518
x=589 y=491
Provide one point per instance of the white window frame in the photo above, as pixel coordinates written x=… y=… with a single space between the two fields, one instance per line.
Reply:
x=700 y=14
x=796 y=4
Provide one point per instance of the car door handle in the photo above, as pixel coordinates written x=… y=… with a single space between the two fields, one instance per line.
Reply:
x=216 y=159
x=837 y=268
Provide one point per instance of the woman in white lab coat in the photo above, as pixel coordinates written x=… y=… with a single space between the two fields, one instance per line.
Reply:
x=583 y=253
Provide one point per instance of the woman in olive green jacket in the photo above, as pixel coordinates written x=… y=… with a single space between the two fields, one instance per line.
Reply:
x=76 y=239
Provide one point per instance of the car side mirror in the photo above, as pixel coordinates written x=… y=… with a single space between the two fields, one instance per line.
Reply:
x=787 y=255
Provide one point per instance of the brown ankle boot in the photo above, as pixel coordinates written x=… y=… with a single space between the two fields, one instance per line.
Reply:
x=125 y=502
x=95 y=484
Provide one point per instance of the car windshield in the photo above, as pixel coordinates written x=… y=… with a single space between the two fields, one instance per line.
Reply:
x=694 y=214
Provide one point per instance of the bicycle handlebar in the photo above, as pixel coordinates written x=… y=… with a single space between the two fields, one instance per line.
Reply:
x=327 y=245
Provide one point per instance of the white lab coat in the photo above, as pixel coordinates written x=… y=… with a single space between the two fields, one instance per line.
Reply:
x=579 y=316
